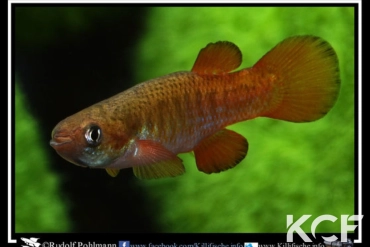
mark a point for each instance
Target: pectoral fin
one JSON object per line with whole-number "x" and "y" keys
{"x": 170, "y": 168}
{"x": 156, "y": 161}
{"x": 220, "y": 151}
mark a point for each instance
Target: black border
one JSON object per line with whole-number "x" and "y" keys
{"x": 67, "y": 239}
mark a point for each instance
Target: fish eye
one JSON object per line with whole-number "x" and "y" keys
{"x": 93, "y": 135}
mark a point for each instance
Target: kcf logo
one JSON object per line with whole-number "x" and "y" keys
{"x": 296, "y": 226}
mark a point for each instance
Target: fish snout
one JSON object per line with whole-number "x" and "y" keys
{"x": 59, "y": 138}
{"x": 66, "y": 146}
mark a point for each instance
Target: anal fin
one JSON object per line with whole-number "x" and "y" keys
{"x": 220, "y": 151}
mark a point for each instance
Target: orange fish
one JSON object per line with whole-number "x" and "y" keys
{"x": 146, "y": 126}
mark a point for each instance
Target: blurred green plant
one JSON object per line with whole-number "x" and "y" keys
{"x": 35, "y": 184}
{"x": 290, "y": 168}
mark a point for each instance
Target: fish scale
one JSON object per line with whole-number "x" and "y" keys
{"x": 193, "y": 109}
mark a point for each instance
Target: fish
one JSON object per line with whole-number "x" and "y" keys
{"x": 146, "y": 126}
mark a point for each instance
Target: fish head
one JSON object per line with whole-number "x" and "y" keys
{"x": 89, "y": 141}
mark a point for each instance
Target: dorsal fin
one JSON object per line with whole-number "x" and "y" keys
{"x": 217, "y": 58}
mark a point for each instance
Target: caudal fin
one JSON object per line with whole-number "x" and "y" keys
{"x": 307, "y": 78}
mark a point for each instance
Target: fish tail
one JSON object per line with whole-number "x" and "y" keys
{"x": 306, "y": 75}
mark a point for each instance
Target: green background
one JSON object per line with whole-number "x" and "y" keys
{"x": 67, "y": 58}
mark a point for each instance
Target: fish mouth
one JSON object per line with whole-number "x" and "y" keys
{"x": 60, "y": 140}
{"x": 63, "y": 145}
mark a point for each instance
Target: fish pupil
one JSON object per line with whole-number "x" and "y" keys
{"x": 93, "y": 135}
